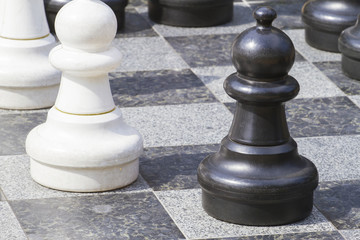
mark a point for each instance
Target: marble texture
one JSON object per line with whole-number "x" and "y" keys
{"x": 336, "y": 158}
{"x": 9, "y": 226}
{"x": 17, "y": 183}
{"x": 333, "y": 71}
{"x": 339, "y": 202}
{"x": 151, "y": 88}
{"x": 14, "y": 129}
{"x": 173, "y": 168}
{"x": 311, "y": 117}
{"x": 139, "y": 55}
{"x": 119, "y": 216}
{"x": 356, "y": 100}
{"x": 309, "y": 53}
{"x": 174, "y": 125}
{"x": 185, "y": 208}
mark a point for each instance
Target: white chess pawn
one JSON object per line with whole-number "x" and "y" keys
{"x": 27, "y": 80}
{"x": 84, "y": 145}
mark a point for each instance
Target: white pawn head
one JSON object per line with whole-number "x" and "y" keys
{"x": 88, "y": 25}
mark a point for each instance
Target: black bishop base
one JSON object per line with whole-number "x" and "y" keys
{"x": 257, "y": 177}
{"x": 191, "y": 13}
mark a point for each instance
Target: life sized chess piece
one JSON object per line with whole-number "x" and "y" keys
{"x": 52, "y": 7}
{"x": 326, "y": 19}
{"x": 84, "y": 145}
{"x": 257, "y": 177}
{"x": 191, "y": 13}
{"x": 27, "y": 80}
{"x": 349, "y": 46}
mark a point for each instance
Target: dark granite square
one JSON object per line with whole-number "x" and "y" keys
{"x": 158, "y": 88}
{"x": 135, "y": 26}
{"x": 310, "y": 117}
{"x": 339, "y": 202}
{"x": 172, "y": 168}
{"x": 293, "y": 236}
{"x": 288, "y": 12}
{"x": 333, "y": 71}
{"x": 15, "y": 127}
{"x": 207, "y": 50}
{"x": 119, "y": 216}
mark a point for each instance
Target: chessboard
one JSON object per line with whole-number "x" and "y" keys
{"x": 169, "y": 86}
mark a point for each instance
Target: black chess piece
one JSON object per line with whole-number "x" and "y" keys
{"x": 52, "y": 7}
{"x": 349, "y": 46}
{"x": 191, "y": 13}
{"x": 257, "y": 177}
{"x": 326, "y": 19}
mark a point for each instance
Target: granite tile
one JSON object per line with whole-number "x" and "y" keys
{"x": 17, "y": 183}
{"x": 313, "y": 83}
{"x": 139, "y": 55}
{"x": 158, "y": 88}
{"x": 311, "y": 117}
{"x": 136, "y": 3}
{"x": 184, "y": 206}
{"x": 242, "y": 19}
{"x": 309, "y": 53}
{"x": 2, "y": 196}
{"x": 9, "y": 226}
{"x": 333, "y": 71}
{"x": 119, "y": 216}
{"x": 14, "y": 129}
{"x": 135, "y": 26}
{"x": 288, "y": 12}
{"x": 355, "y": 99}
{"x": 203, "y": 51}
{"x": 351, "y": 234}
{"x": 171, "y": 168}
{"x": 336, "y": 158}
{"x": 174, "y": 125}
{"x": 293, "y": 236}
{"x": 339, "y": 202}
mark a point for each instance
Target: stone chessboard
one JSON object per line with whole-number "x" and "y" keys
{"x": 169, "y": 87}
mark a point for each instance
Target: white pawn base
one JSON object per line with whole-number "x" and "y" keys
{"x": 27, "y": 80}
{"x": 84, "y": 153}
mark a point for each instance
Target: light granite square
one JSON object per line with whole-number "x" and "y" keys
{"x": 355, "y": 99}
{"x": 138, "y": 54}
{"x": 313, "y": 83}
{"x": 310, "y": 53}
{"x": 175, "y": 125}
{"x": 351, "y": 234}
{"x": 336, "y": 158}
{"x": 185, "y": 208}
{"x": 9, "y": 226}
{"x": 242, "y": 19}
{"x": 17, "y": 184}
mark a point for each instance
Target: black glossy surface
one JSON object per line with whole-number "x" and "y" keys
{"x": 258, "y": 177}
{"x": 326, "y": 19}
{"x": 191, "y": 13}
{"x": 349, "y": 46}
{"x": 53, "y": 6}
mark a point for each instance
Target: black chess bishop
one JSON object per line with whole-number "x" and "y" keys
{"x": 257, "y": 177}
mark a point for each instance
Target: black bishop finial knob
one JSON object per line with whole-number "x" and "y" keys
{"x": 257, "y": 177}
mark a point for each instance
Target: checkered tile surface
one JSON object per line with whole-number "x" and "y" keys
{"x": 169, "y": 87}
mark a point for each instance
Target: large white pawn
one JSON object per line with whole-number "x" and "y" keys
{"x": 84, "y": 145}
{"x": 27, "y": 80}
